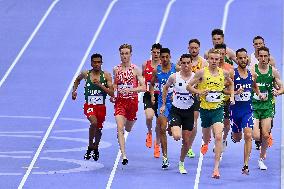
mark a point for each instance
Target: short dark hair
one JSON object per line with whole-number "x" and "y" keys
{"x": 194, "y": 41}
{"x": 258, "y": 37}
{"x": 97, "y": 55}
{"x": 186, "y": 56}
{"x": 217, "y": 32}
{"x": 241, "y": 50}
{"x": 156, "y": 46}
{"x": 263, "y": 49}
{"x": 127, "y": 46}
{"x": 220, "y": 46}
{"x": 165, "y": 50}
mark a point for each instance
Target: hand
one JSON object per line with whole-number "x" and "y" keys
{"x": 240, "y": 90}
{"x": 74, "y": 95}
{"x": 162, "y": 109}
{"x": 262, "y": 96}
{"x": 276, "y": 92}
{"x": 232, "y": 100}
{"x": 203, "y": 92}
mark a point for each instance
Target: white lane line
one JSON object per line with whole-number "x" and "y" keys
{"x": 200, "y": 160}
{"x": 28, "y": 42}
{"x": 66, "y": 95}
{"x": 111, "y": 177}
{"x": 161, "y": 30}
{"x": 225, "y": 15}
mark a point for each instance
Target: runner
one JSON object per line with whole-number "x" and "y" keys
{"x": 182, "y": 110}
{"x": 126, "y": 79}
{"x": 149, "y": 107}
{"x": 161, "y": 75}
{"x": 211, "y": 86}
{"x": 198, "y": 62}
{"x": 241, "y": 111}
{"x": 263, "y": 112}
{"x": 98, "y": 85}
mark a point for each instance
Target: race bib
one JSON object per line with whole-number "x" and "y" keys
{"x": 125, "y": 86}
{"x": 265, "y": 94}
{"x": 184, "y": 98}
{"x": 156, "y": 87}
{"x": 244, "y": 96}
{"x": 214, "y": 97}
{"x": 96, "y": 99}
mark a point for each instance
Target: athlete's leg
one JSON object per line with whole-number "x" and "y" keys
{"x": 248, "y": 144}
{"x": 265, "y": 129}
{"x": 92, "y": 130}
{"x": 218, "y": 131}
{"x": 163, "y": 135}
{"x": 120, "y": 121}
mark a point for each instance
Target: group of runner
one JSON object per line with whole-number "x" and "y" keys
{"x": 240, "y": 99}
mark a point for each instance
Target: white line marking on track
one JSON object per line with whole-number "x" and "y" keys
{"x": 225, "y": 15}
{"x": 161, "y": 30}
{"x": 25, "y": 177}
{"x": 200, "y": 160}
{"x": 28, "y": 42}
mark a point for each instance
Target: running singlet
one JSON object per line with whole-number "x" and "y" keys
{"x": 94, "y": 94}
{"x": 162, "y": 79}
{"x": 148, "y": 71}
{"x": 243, "y": 101}
{"x": 215, "y": 85}
{"x": 182, "y": 99}
{"x": 265, "y": 85}
{"x": 228, "y": 61}
{"x": 198, "y": 66}
{"x": 126, "y": 79}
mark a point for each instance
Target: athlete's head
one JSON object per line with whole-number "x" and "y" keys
{"x": 96, "y": 61}
{"x": 155, "y": 51}
{"x": 213, "y": 58}
{"x": 186, "y": 62}
{"x": 217, "y": 36}
{"x": 194, "y": 47}
{"x": 258, "y": 42}
{"x": 263, "y": 55}
{"x": 165, "y": 56}
{"x": 125, "y": 51}
{"x": 242, "y": 57}
{"x": 222, "y": 48}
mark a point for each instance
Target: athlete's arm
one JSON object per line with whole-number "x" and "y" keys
{"x": 229, "y": 90}
{"x": 196, "y": 80}
{"x": 109, "y": 89}
{"x": 204, "y": 63}
{"x": 272, "y": 61}
{"x": 206, "y": 55}
{"x": 143, "y": 68}
{"x": 278, "y": 82}
{"x": 82, "y": 75}
{"x": 166, "y": 87}
{"x": 141, "y": 87}
{"x": 232, "y": 55}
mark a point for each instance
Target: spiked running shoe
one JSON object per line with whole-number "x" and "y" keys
{"x": 181, "y": 168}
{"x": 165, "y": 164}
{"x": 245, "y": 170}
{"x": 96, "y": 154}
{"x": 204, "y": 149}
{"x": 88, "y": 154}
{"x": 124, "y": 161}
{"x": 216, "y": 174}
{"x": 156, "y": 150}
{"x": 149, "y": 140}
{"x": 190, "y": 153}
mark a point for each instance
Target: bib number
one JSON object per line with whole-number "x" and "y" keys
{"x": 95, "y": 99}
{"x": 245, "y": 96}
{"x": 214, "y": 97}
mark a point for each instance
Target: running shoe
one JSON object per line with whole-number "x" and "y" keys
{"x": 124, "y": 161}
{"x": 245, "y": 170}
{"x": 181, "y": 168}
{"x": 261, "y": 164}
{"x": 190, "y": 153}
{"x": 149, "y": 140}
{"x": 165, "y": 164}
{"x": 156, "y": 150}
{"x": 88, "y": 154}
{"x": 216, "y": 174}
{"x": 96, "y": 154}
{"x": 257, "y": 145}
{"x": 204, "y": 149}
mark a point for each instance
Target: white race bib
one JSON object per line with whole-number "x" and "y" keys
{"x": 156, "y": 87}
{"x": 96, "y": 99}
{"x": 265, "y": 93}
{"x": 124, "y": 86}
{"x": 244, "y": 96}
{"x": 185, "y": 98}
{"x": 214, "y": 97}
